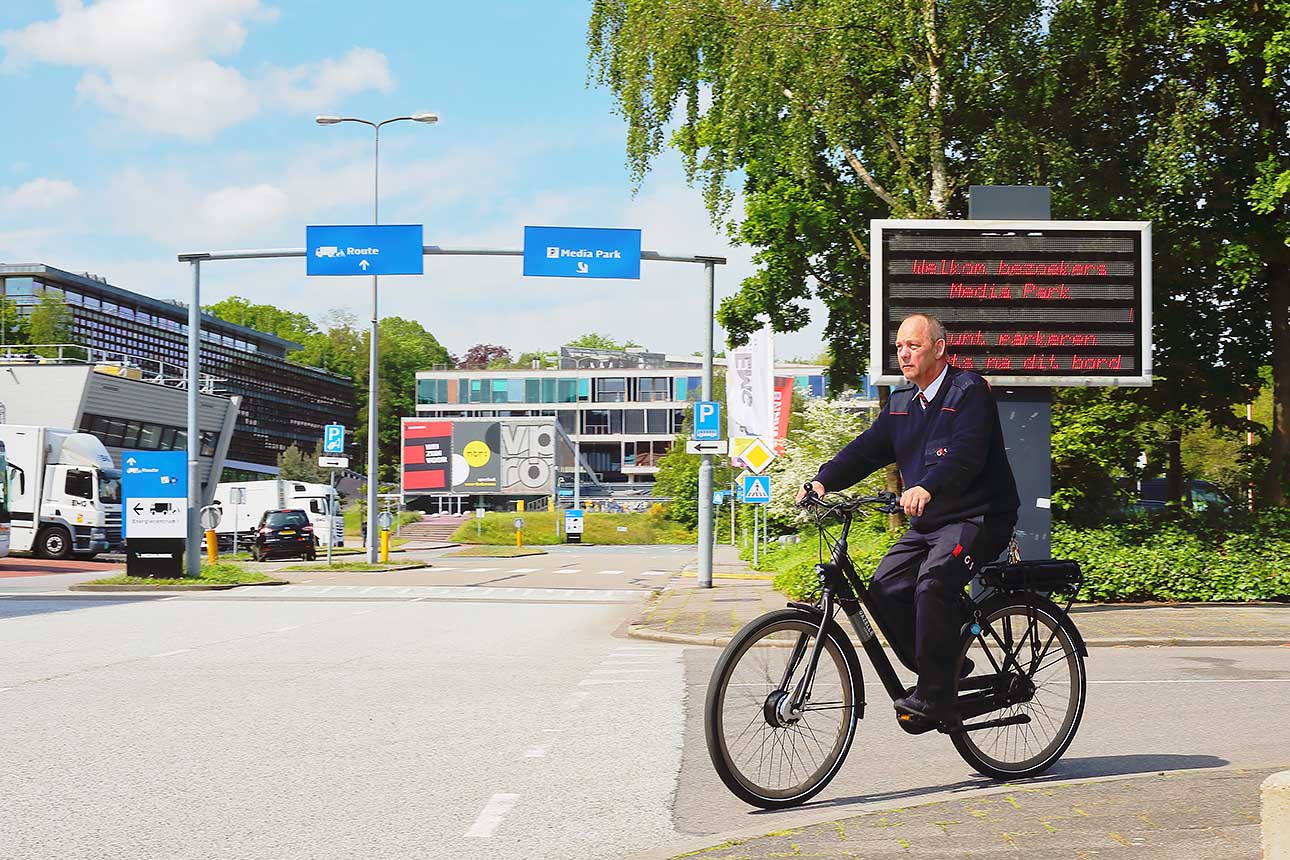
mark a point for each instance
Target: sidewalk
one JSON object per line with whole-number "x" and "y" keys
{"x": 686, "y": 614}
{"x": 1212, "y": 814}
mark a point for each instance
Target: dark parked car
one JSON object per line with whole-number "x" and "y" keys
{"x": 1153, "y": 497}
{"x": 284, "y": 533}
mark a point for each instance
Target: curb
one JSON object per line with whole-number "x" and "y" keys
{"x": 641, "y": 631}
{"x": 1275, "y": 794}
{"x": 217, "y": 586}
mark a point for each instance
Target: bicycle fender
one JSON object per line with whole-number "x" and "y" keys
{"x": 1048, "y": 606}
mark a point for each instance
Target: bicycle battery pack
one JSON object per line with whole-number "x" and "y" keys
{"x": 1052, "y": 575}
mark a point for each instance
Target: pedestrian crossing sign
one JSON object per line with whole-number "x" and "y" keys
{"x": 757, "y": 489}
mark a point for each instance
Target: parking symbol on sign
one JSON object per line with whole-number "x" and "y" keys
{"x": 552, "y": 253}
{"x": 334, "y": 439}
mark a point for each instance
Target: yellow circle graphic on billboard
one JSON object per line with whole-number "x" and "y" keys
{"x": 476, "y": 453}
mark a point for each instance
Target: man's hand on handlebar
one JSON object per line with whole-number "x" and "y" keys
{"x": 815, "y": 488}
{"x": 914, "y": 501}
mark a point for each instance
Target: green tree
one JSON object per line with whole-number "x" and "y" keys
{"x": 832, "y": 112}
{"x": 600, "y": 341}
{"x": 50, "y": 322}
{"x": 266, "y": 318}
{"x": 296, "y": 465}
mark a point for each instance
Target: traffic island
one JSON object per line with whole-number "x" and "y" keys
{"x": 494, "y": 552}
{"x": 214, "y": 577}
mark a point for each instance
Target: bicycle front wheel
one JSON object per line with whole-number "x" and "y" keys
{"x": 1039, "y": 680}
{"x": 767, "y": 752}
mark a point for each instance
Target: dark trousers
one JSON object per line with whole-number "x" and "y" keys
{"x": 918, "y": 592}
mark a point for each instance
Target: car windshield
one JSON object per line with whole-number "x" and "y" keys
{"x": 109, "y": 487}
{"x": 286, "y": 519}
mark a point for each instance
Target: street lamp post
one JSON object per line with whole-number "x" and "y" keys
{"x": 371, "y": 368}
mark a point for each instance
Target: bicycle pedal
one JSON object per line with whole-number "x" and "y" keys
{"x": 915, "y": 725}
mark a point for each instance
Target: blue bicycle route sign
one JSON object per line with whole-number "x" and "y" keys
{"x": 582, "y": 252}
{"x": 372, "y": 249}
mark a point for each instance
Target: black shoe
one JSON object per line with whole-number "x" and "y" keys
{"x": 967, "y": 667}
{"x": 913, "y": 706}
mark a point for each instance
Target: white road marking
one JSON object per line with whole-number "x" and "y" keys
{"x": 535, "y": 752}
{"x": 478, "y": 569}
{"x": 656, "y": 573}
{"x": 608, "y": 572}
{"x": 622, "y": 671}
{"x": 569, "y": 570}
{"x": 1200, "y": 681}
{"x": 491, "y": 815}
{"x": 593, "y": 682}
{"x": 525, "y": 570}
{"x": 173, "y": 653}
{"x": 553, "y": 731}
{"x": 285, "y": 629}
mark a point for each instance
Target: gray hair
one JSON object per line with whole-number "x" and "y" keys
{"x": 935, "y": 328}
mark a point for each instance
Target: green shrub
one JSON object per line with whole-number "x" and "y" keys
{"x": 794, "y": 564}
{"x": 1237, "y": 557}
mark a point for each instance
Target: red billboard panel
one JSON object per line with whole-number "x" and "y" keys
{"x": 427, "y": 455}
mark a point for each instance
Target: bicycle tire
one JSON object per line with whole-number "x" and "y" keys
{"x": 1054, "y": 667}
{"x": 749, "y": 751}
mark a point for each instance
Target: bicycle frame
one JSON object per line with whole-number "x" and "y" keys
{"x": 979, "y": 695}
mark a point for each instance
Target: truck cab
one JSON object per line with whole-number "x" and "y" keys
{"x": 64, "y": 492}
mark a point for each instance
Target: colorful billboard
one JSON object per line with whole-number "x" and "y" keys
{"x": 479, "y": 457}
{"x": 476, "y": 464}
{"x": 427, "y": 455}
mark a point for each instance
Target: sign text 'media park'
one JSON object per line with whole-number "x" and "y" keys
{"x": 1026, "y": 303}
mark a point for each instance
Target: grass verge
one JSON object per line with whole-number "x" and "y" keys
{"x": 221, "y": 573}
{"x": 344, "y": 566}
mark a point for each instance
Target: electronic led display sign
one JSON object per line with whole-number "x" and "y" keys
{"x": 1025, "y": 303}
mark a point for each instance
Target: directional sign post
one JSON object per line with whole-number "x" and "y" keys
{"x": 582, "y": 252}
{"x": 707, "y": 420}
{"x": 573, "y": 524}
{"x": 334, "y": 439}
{"x": 154, "y": 512}
{"x": 371, "y": 249}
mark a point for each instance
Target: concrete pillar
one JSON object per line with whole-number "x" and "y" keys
{"x": 1276, "y": 816}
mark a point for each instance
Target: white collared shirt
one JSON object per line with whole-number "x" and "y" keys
{"x": 931, "y": 391}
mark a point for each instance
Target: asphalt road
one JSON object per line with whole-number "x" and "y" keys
{"x": 194, "y": 727}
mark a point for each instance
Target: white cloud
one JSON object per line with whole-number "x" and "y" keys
{"x": 151, "y": 63}
{"x": 316, "y": 85}
{"x": 238, "y": 211}
{"x": 40, "y": 193}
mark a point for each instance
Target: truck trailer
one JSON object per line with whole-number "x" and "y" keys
{"x": 64, "y": 492}
{"x": 243, "y": 502}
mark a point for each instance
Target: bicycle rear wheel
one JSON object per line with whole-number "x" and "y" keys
{"x": 1038, "y": 669}
{"x": 767, "y": 754}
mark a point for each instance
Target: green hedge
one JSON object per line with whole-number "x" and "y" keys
{"x": 1238, "y": 558}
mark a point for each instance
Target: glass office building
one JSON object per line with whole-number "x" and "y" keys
{"x": 624, "y": 416}
{"x": 282, "y": 402}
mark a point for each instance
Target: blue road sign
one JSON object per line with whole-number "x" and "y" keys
{"x": 154, "y": 491}
{"x": 334, "y": 439}
{"x": 582, "y": 252}
{"x": 757, "y": 489}
{"x": 374, "y": 249}
{"x": 707, "y": 420}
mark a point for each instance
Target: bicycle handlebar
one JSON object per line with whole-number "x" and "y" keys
{"x": 884, "y": 502}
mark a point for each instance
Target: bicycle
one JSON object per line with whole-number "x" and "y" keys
{"x": 779, "y": 719}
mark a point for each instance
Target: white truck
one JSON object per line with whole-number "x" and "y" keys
{"x": 242, "y": 503}
{"x": 64, "y": 492}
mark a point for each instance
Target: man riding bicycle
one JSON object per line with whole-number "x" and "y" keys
{"x": 943, "y": 432}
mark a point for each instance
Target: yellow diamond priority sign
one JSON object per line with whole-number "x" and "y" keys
{"x": 757, "y": 456}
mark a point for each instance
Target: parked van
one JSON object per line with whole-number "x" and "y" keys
{"x": 243, "y": 503}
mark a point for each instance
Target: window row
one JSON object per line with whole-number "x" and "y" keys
{"x": 121, "y": 433}
{"x": 605, "y": 389}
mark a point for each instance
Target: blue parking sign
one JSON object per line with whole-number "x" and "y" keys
{"x": 707, "y": 420}
{"x": 334, "y": 439}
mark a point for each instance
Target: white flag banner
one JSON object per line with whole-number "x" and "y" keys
{"x": 750, "y": 390}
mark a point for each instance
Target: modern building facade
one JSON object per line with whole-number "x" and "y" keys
{"x": 281, "y": 402}
{"x": 624, "y": 408}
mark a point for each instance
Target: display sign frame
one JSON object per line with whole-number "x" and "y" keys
{"x": 990, "y": 289}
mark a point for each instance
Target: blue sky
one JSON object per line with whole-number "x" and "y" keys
{"x": 140, "y": 129}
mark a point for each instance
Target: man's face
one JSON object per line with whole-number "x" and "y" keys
{"x": 921, "y": 358}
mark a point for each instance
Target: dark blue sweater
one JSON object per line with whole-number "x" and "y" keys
{"x": 953, "y": 449}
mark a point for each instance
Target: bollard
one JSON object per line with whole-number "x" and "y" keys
{"x": 385, "y": 545}
{"x": 1276, "y": 816}
{"x": 212, "y": 546}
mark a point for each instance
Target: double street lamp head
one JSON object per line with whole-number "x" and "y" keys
{"x": 425, "y": 116}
